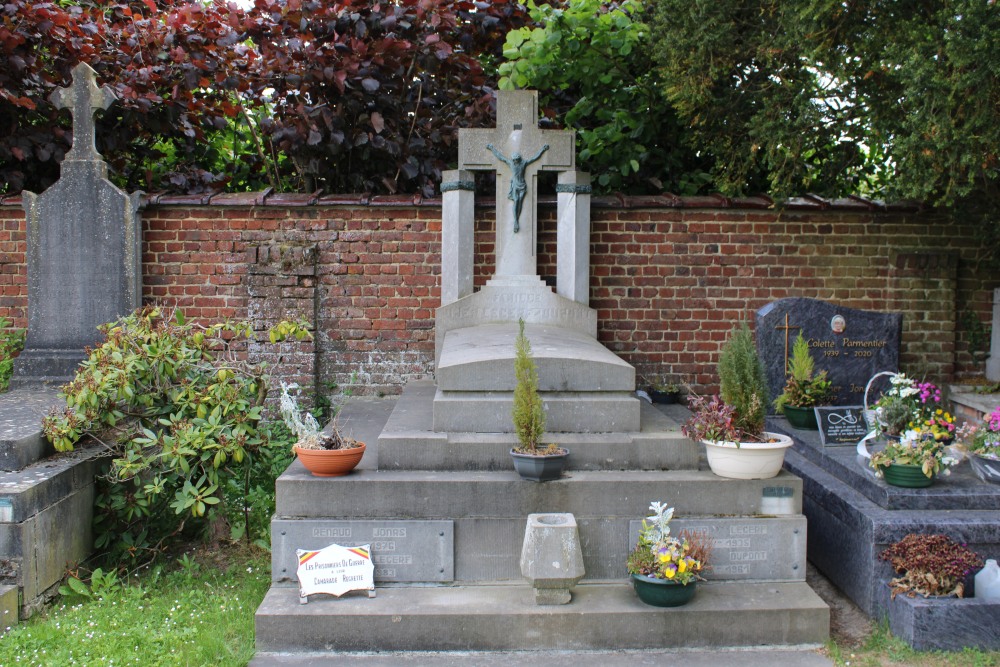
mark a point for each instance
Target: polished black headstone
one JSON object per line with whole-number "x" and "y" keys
{"x": 851, "y": 345}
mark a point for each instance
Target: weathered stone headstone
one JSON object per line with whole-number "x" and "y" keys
{"x": 83, "y": 247}
{"x": 851, "y": 345}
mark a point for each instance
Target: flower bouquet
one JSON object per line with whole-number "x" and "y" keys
{"x": 665, "y": 568}
{"x": 918, "y": 430}
{"x": 984, "y": 447}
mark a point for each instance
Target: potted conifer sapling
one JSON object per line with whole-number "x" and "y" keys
{"x": 732, "y": 426}
{"x": 804, "y": 389}
{"x": 532, "y": 461}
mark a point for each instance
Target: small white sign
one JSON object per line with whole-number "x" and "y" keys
{"x": 335, "y": 570}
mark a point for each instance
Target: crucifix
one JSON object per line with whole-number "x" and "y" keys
{"x": 517, "y": 150}
{"x": 83, "y": 97}
{"x": 788, "y": 327}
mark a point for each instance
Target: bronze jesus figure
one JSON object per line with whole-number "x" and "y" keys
{"x": 518, "y": 186}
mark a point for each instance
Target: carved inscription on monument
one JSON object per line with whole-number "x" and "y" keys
{"x": 401, "y": 550}
{"x": 746, "y": 548}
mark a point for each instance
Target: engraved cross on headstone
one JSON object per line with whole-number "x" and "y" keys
{"x": 83, "y": 97}
{"x": 788, "y": 327}
{"x": 516, "y": 134}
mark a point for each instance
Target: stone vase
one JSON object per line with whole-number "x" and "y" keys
{"x": 803, "y": 419}
{"x": 661, "y": 592}
{"x": 907, "y": 476}
{"x": 747, "y": 460}
{"x": 540, "y": 467}
{"x": 330, "y": 462}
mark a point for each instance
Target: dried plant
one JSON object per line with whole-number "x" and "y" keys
{"x": 930, "y": 565}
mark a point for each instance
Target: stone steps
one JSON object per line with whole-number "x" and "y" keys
{"x": 419, "y": 494}
{"x": 504, "y": 617}
{"x": 409, "y": 441}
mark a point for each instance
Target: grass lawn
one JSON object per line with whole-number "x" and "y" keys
{"x": 192, "y": 613}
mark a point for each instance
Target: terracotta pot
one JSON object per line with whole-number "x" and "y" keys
{"x": 662, "y": 593}
{"x": 330, "y": 462}
{"x": 540, "y": 468}
{"x": 749, "y": 460}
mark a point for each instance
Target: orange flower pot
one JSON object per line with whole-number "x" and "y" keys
{"x": 330, "y": 462}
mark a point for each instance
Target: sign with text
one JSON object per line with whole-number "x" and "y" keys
{"x": 403, "y": 550}
{"x": 850, "y": 345}
{"x": 841, "y": 425}
{"x": 335, "y": 570}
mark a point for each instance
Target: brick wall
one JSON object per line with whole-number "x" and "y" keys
{"x": 669, "y": 276}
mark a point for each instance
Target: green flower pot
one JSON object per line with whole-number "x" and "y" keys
{"x": 662, "y": 593}
{"x": 906, "y": 475}
{"x": 803, "y": 419}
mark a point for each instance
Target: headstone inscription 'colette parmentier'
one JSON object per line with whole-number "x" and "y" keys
{"x": 851, "y": 345}
{"x": 83, "y": 247}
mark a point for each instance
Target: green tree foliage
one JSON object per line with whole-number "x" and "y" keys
{"x": 528, "y": 413}
{"x": 344, "y": 96}
{"x": 885, "y": 98}
{"x": 589, "y": 59}
{"x": 180, "y": 416}
{"x": 742, "y": 382}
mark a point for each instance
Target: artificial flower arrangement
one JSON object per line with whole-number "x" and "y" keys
{"x": 920, "y": 429}
{"x": 984, "y": 439}
{"x": 659, "y": 555}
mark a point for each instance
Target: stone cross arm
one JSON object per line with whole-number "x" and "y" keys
{"x": 83, "y": 97}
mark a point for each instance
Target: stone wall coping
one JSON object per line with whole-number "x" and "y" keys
{"x": 269, "y": 198}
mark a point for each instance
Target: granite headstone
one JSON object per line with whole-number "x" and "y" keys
{"x": 84, "y": 249}
{"x": 851, "y": 345}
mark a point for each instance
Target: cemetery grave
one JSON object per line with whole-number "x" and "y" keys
{"x": 444, "y": 512}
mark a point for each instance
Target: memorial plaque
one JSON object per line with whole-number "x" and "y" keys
{"x": 851, "y": 345}
{"x": 410, "y": 550}
{"x": 843, "y": 425}
{"x": 747, "y": 548}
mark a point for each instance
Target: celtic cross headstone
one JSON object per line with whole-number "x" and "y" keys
{"x": 84, "y": 251}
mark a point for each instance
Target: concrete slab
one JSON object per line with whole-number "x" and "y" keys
{"x": 491, "y": 618}
{"x": 566, "y": 412}
{"x": 408, "y": 441}
{"x": 483, "y": 549}
{"x": 753, "y": 657}
{"x": 21, "y": 413}
{"x": 481, "y": 358}
{"x": 386, "y": 494}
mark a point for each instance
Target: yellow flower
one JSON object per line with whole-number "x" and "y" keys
{"x": 670, "y": 573}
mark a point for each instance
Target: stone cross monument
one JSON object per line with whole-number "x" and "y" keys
{"x": 84, "y": 252}
{"x": 586, "y": 388}
{"x": 517, "y": 150}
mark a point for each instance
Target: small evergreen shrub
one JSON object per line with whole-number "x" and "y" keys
{"x": 804, "y": 387}
{"x": 528, "y": 414}
{"x": 742, "y": 383}
{"x": 11, "y": 342}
